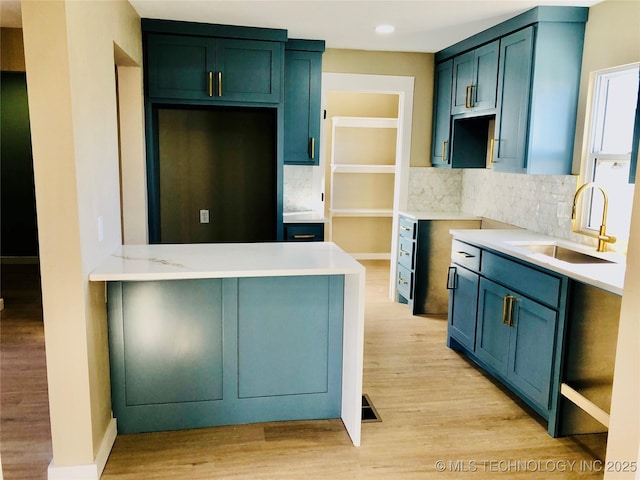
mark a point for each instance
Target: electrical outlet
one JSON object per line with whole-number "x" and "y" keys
{"x": 204, "y": 216}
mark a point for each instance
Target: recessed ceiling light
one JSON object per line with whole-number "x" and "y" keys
{"x": 385, "y": 28}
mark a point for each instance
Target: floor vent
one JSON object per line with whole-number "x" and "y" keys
{"x": 369, "y": 412}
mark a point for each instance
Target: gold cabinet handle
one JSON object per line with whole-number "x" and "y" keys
{"x": 468, "y": 100}
{"x": 508, "y": 303}
{"x": 313, "y": 148}
{"x": 404, "y": 252}
{"x": 211, "y": 84}
{"x": 305, "y": 236}
{"x": 505, "y": 309}
{"x": 219, "y": 84}
{"x": 406, "y": 229}
{"x": 471, "y": 102}
{"x": 465, "y": 254}
{"x": 444, "y": 151}
{"x": 402, "y": 281}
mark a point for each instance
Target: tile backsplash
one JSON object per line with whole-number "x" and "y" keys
{"x": 433, "y": 189}
{"x": 298, "y": 188}
{"x": 541, "y": 203}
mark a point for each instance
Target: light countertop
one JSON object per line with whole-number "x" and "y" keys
{"x": 303, "y": 217}
{"x": 607, "y": 276}
{"x": 429, "y": 215}
{"x": 225, "y": 260}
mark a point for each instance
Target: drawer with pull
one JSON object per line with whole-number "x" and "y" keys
{"x": 405, "y": 282}
{"x": 408, "y": 228}
{"x": 465, "y": 255}
{"x": 304, "y": 232}
{"x": 406, "y": 252}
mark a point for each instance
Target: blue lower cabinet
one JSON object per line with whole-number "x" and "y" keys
{"x": 516, "y": 337}
{"x": 304, "y": 232}
{"x": 509, "y": 317}
{"x": 206, "y": 352}
{"x": 463, "y": 306}
{"x": 532, "y": 343}
{"x": 492, "y": 336}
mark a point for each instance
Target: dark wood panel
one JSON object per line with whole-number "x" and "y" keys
{"x": 222, "y": 160}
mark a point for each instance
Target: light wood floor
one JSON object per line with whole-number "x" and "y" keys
{"x": 434, "y": 404}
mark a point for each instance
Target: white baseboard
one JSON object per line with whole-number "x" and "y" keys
{"x": 92, "y": 471}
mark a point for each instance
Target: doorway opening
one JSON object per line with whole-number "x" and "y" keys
{"x": 367, "y": 138}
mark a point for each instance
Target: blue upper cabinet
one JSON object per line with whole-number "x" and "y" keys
{"x": 213, "y": 69}
{"x": 303, "y": 73}
{"x": 513, "y": 101}
{"x": 213, "y": 63}
{"x": 475, "y": 76}
{"x": 178, "y": 67}
{"x": 248, "y": 70}
{"x": 524, "y": 74}
{"x": 440, "y": 144}
{"x": 538, "y": 86}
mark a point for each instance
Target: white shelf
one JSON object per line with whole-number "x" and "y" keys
{"x": 365, "y": 122}
{"x": 361, "y": 212}
{"x": 357, "y": 168}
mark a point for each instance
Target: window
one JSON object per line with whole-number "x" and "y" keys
{"x": 610, "y": 139}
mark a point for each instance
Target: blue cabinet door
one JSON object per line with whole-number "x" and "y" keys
{"x": 303, "y": 72}
{"x": 463, "y": 306}
{"x": 213, "y": 69}
{"x": 517, "y": 340}
{"x": 475, "y": 79}
{"x": 512, "y": 118}
{"x": 205, "y": 352}
{"x": 492, "y": 335}
{"x": 532, "y": 346}
{"x": 180, "y": 67}
{"x": 248, "y": 70}
{"x": 441, "y": 145}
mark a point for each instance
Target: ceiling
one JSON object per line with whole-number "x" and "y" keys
{"x": 421, "y": 25}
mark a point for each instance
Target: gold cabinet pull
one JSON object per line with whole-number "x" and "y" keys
{"x": 404, "y": 252}
{"x": 402, "y": 281}
{"x": 313, "y": 148}
{"x": 444, "y": 151}
{"x": 471, "y": 102}
{"x": 211, "y": 84}
{"x": 508, "y": 303}
{"x": 466, "y": 98}
{"x": 505, "y": 309}
{"x": 406, "y": 229}
{"x": 219, "y": 84}
{"x": 305, "y": 236}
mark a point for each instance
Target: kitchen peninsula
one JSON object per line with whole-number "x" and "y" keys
{"x": 219, "y": 334}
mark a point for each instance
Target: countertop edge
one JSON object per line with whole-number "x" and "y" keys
{"x": 596, "y": 275}
{"x": 199, "y": 261}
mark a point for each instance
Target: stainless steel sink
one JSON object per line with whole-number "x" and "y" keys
{"x": 563, "y": 254}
